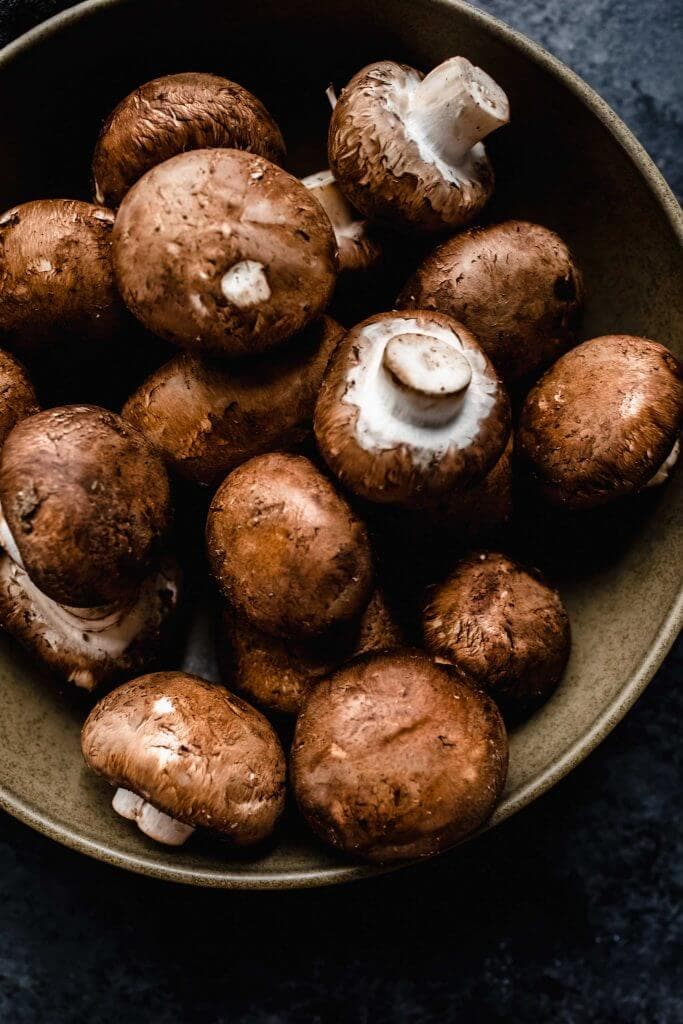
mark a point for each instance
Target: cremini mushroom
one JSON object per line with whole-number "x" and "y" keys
{"x": 171, "y": 115}
{"x": 502, "y": 625}
{"x": 286, "y": 549}
{"x": 359, "y": 247}
{"x": 17, "y": 397}
{"x": 395, "y": 756}
{"x": 411, "y": 409}
{"x": 185, "y": 754}
{"x": 515, "y": 285}
{"x": 603, "y": 422}
{"x": 407, "y": 150}
{"x": 206, "y": 418}
{"x": 219, "y": 250}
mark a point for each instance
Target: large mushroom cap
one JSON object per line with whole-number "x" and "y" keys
{"x": 17, "y": 397}
{"x": 206, "y": 418}
{"x": 410, "y": 408}
{"x": 503, "y": 626}
{"x": 56, "y": 276}
{"x": 85, "y": 501}
{"x": 220, "y": 250}
{"x": 406, "y": 150}
{"x": 286, "y": 549}
{"x": 172, "y": 115}
{"x": 515, "y": 285}
{"x": 193, "y": 751}
{"x": 602, "y": 421}
{"x": 395, "y": 757}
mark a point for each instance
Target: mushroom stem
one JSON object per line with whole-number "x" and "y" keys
{"x": 346, "y": 221}
{"x": 246, "y": 284}
{"x": 154, "y": 823}
{"x": 425, "y": 378}
{"x": 455, "y": 107}
{"x": 7, "y": 541}
{"x": 664, "y": 471}
{"x": 331, "y": 94}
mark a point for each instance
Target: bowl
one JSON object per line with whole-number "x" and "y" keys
{"x": 565, "y": 161}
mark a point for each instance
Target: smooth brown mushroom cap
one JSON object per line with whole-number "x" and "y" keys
{"x": 515, "y": 285}
{"x": 396, "y": 757}
{"x": 287, "y": 550}
{"x": 172, "y": 115}
{"x": 206, "y": 418}
{"x": 194, "y": 222}
{"x": 503, "y": 626}
{"x": 601, "y": 421}
{"x": 192, "y": 750}
{"x": 86, "y": 500}
{"x": 17, "y": 397}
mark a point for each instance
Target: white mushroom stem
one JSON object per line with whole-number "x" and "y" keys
{"x": 331, "y": 94}
{"x": 347, "y": 222}
{"x": 246, "y": 284}
{"x": 455, "y": 107}
{"x": 7, "y": 541}
{"x": 154, "y": 823}
{"x": 664, "y": 471}
{"x": 425, "y": 378}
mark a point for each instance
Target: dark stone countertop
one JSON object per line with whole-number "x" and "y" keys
{"x": 566, "y": 914}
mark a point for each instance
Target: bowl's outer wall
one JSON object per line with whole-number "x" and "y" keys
{"x": 557, "y": 163}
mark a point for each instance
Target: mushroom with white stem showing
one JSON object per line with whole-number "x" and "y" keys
{"x": 359, "y": 247}
{"x": 408, "y": 150}
{"x": 411, "y": 409}
{"x": 185, "y": 754}
{"x": 218, "y": 250}
{"x": 172, "y": 115}
{"x": 603, "y": 422}
{"x": 17, "y": 397}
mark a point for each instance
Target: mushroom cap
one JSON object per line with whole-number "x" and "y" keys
{"x": 382, "y": 458}
{"x": 279, "y": 674}
{"x": 383, "y": 170}
{"x": 206, "y": 418}
{"x": 56, "y": 276}
{"x": 601, "y": 421}
{"x": 172, "y": 115}
{"x": 358, "y": 245}
{"x": 515, "y": 285}
{"x": 395, "y": 757}
{"x": 503, "y": 626}
{"x": 192, "y": 750}
{"x": 86, "y": 501}
{"x": 17, "y": 397}
{"x": 96, "y": 649}
{"x": 286, "y": 549}
{"x": 219, "y": 250}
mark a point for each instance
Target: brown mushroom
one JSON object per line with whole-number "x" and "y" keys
{"x": 206, "y": 418}
{"x": 17, "y": 397}
{"x": 503, "y": 626}
{"x": 407, "y": 150}
{"x": 515, "y": 285}
{"x": 410, "y": 409}
{"x": 187, "y": 754}
{"x": 171, "y": 115}
{"x": 218, "y": 250}
{"x": 92, "y": 647}
{"x": 286, "y": 550}
{"x": 85, "y": 503}
{"x": 603, "y": 422}
{"x": 358, "y": 245}
{"x": 395, "y": 756}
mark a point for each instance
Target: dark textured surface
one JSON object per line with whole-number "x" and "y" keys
{"x": 566, "y": 914}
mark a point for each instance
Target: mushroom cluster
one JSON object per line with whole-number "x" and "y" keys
{"x": 352, "y": 478}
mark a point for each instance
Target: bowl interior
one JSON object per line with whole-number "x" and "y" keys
{"x": 558, "y": 163}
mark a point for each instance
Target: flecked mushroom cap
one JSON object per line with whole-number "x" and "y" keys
{"x": 396, "y": 757}
{"x": 17, "y": 397}
{"x": 365, "y": 426}
{"x": 193, "y": 750}
{"x": 602, "y": 420}
{"x": 218, "y": 250}
{"x": 172, "y": 115}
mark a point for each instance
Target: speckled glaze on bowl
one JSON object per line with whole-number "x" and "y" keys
{"x": 566, "y": 161}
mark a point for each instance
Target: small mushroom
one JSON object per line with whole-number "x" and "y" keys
{"x": 410, "y": 409}
{"x": 395, "y": 756}
{"x": 206, "y": 418}
{"x": 218, "y": 250}
{"x": 171, "y": 115}
{"x": 407, "y": 150}
{"x": 91, "y": 647}
{"x": 603, "y": 422}
{"x": 17, "y": 397}
{"x": 186, "y": 754}
{"x": 279, "y": 674}
{"x": 286, "y": 550}
{"x": 503, "y": 626}
{"x": 359, "y": 247}
{"x": 84, "y": 503}
{"x": 515, "y": 285}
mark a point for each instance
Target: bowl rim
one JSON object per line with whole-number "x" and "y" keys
{"x": 584, "y": 744}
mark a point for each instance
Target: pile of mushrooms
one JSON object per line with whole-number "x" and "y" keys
{"x": 359, "y": 476}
